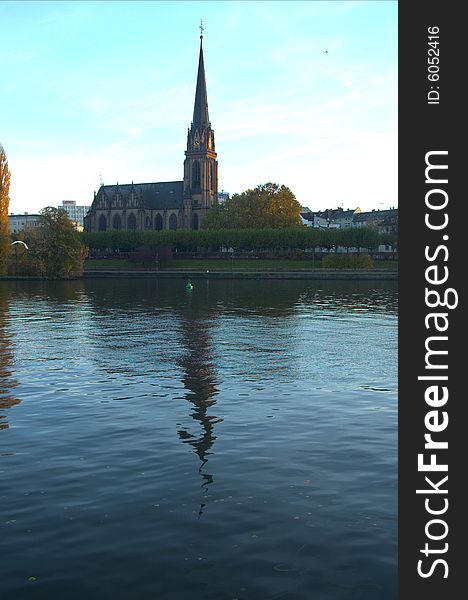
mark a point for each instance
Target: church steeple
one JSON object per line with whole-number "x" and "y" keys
{"x": 200, "y": 165}
{"x": 200, "y": 110}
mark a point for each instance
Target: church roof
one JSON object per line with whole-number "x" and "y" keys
{"x": 200, "y": 110}
{"x": 158, "y": 195}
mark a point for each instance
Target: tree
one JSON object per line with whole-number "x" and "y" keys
{"x": 367, "y": 237}
{"x": 4, "y": 205}
{"x": 268, "y": 206}
{"x": 388, "y": 239}
{"x": 55, "y": 246}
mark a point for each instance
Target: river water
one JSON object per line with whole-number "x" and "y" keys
{"x": 234, "y": 442}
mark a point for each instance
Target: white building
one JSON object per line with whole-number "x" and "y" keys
{"x": 311, "y": 219}
{"x": 344, "y": 218}
{"x": 222, "y": 197}
{"x": 23, "y": 222}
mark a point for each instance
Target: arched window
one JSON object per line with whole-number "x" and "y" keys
{"x": 196, "y": 174}
{"x": 173, "y": 222}
{"x": 117, "y": 222}
{"x": 148, "y": 222}
{"x": 210, "y": 185}
{"x": 195, "y": 221}
{"x": 158, "y": 222}
{"x": 131, "y": 221}
{"x": 102, "y": 223}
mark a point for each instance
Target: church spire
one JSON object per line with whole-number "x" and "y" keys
{"x": 200, "y": 165}
{"x": 200, "y": 111}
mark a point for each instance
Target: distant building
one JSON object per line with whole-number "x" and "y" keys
{"x": 222, "y": 197}
{"x": 75, "y": 213}
{"x": 23, "y": 222}
{"x": 311, "y": 219}
{"x": 339, "y": 218}
{"x": 345, "y": 218}
{"x": 307, "y": 216}
{"x": 385, "y": 221}
{"x": 336, "y": 218}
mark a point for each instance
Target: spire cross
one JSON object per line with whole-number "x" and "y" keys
{"x": 202, "y": 29}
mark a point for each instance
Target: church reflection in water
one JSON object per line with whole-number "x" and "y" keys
{"x": 199, "y": 378}
{"x": 7, "y": 383}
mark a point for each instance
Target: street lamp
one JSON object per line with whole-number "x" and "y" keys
{"x": 15, "y": 244}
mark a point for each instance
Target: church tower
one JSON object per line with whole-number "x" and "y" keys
{"x": 200, "y": 165}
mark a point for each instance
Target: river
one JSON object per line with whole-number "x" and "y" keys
{"x": 238, "y": 441}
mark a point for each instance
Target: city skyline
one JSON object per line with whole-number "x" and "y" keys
{"x": 303, "y": 94}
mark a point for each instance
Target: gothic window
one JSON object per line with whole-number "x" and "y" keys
{"x": 131, "y": 221}
{"x": 117, "y": 222}
{"x": 210, "y": 184}
{"x": 102, "y": 223}
{"x": 158, "y": 222}
{"x": 195, "y": 221}
{"x": 148, "y": 222}
{"x": 173, "y": 222}
{"x": 196, "y": 174}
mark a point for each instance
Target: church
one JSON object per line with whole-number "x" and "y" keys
{"x": 166, "y": 204}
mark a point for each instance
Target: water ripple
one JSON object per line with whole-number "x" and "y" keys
{"x": 238, "y": 442}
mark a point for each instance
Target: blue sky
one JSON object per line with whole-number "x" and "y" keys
{"x": 299, "y": 93}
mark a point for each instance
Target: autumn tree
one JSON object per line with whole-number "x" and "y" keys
{"x": 55, "y": 247}
{"x": 4, "y": 204}
{"x": 268, "y": 206}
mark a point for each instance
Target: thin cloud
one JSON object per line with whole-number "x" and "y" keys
{"x": 296, "y": 94}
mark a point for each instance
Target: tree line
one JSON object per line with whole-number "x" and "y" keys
{"x": 292, "y": 238}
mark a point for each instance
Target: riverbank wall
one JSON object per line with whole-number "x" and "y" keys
{"x": 313, "y": 274}
{"x": 329, "y": 274}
